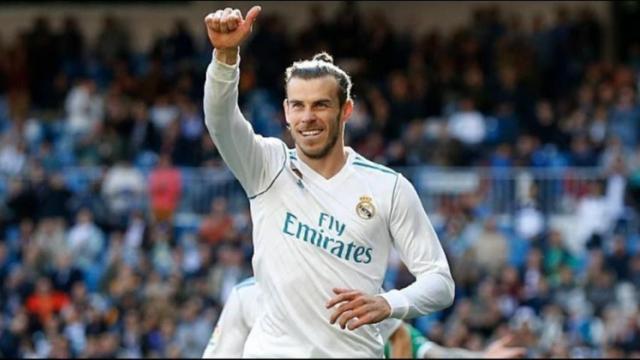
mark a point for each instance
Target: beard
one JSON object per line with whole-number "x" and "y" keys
{"x": 332, "y": 139}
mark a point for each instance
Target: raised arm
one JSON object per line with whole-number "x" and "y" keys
{"x": 254, "y": 160}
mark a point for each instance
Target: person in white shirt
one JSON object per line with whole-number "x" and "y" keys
{"x": 244, "y": 304}
{"x": 238, "y": 316}
{"x": 325, "y": 218}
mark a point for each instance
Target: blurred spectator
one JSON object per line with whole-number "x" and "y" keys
{"x": 54, "y": 198}
{"x": 49, "y": 241}
{"x": 48, "y": 158}
{"x": 625, "y": 117}
{"x": 600, "y": 292}
{"x": 467, "y": 124}
{"x": 619, "y": 259}
{"x": 45, "y": 301}
{"x": 634, "y": 270}
{"x": 180, "y": 44}
{"x": 74, "y": 330}
{"x": 113, "y": 41}
{"x": 316, "y": 35}
{"x": 131, "y": 335}
{"x": 123, "y": 187}
{"x": 13, "y": 157}
{"x": 65, "y": 273}
{"x": 162, "y": 251}
{"x": 556, "y": 257}
{"x": 582, "y": 153}
{"x": 41, "y": 44}
{"x": 71, "y": 45}
{"x": 545, "y": 126}
{"x": 193, "y": 330}
{"x": 270, "y": 41}
{"x": 13, "y": 335}
{"x": 186, "y": 151}
{"x": 153, "y": 82}
{"x": 136, "y": 237}
{"x": 217, "y": 225}
{"x": 85, "y": 241}
{"x": 18, "y": 78}
{"x": 592, "y": 219}
{"x": 84, "y": 108}
{"x": 20, "y": 201}
{"x": 144, "y": 135}
{"x": 528, "y": 220}
{"x": 403, "y": 107}
{"x": 165, "y": 185}
{"x": 228, "y": 271}
{"x": 615, "y": 191}
{"x": 490, "y": 248}
{"x": 163, "y": 112}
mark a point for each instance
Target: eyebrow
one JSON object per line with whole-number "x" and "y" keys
{"x": 317, "y": 102}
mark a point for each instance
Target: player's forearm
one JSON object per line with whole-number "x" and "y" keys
{"x": 230, "y": 131}
{"x": 227, "y": 56}
{"x": 435, "y": 351}
{"x": 221, "y": 95}
{"x": 431, "y": 292}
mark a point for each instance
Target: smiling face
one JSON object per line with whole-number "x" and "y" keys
{"x": 313, "y": 112}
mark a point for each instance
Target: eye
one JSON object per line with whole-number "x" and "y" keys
{"x": 296, "y": 105}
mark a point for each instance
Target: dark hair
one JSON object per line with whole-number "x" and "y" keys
{"x": 321, "y": 65}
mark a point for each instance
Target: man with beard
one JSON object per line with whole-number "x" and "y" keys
{"x": 325, "y": 218}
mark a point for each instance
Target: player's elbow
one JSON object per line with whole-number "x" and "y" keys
{"x": 214, "y": 120}
{"x": 450, "y": 291}
{"x": 447, "y": 291}
{"x": 217, "y": 110}
{"x": 437, "y": 293}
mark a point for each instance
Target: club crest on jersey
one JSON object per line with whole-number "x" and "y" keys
{"x": 365, "y": 208}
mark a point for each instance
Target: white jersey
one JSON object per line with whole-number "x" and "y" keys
{"x": 239, "y": 314}
{"x": 312, "y": 234}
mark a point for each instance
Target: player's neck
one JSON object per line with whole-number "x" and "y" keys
{"x": 329, "y": 165}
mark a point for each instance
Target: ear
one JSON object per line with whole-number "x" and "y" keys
{"x": 347, "y": 110}
{"x": 285, "y": 106}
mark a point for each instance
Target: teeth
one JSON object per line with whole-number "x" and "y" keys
{"x": 311, "y": 132}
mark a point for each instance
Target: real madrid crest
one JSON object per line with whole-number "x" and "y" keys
{"x": 365, "y": 208}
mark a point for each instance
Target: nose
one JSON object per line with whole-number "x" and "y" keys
{"x": 308, "y": 116}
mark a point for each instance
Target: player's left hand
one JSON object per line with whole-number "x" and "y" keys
{"x": 500, "y": 349}
{"x": 362, "y": 308}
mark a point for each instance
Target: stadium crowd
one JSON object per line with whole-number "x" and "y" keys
{"x": 100, "y": 268}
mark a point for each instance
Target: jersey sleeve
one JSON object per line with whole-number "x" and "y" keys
{"x": 253, "y": 159}
{"x": 231, "y": 331}
{"x": 419, "y": 248}
{"x": 431, "y": 350}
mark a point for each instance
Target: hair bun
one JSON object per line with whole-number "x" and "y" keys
{"x": 323, "y": 56}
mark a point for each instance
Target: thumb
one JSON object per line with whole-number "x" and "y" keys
{"x": 252, "y": 15}
{"x": 505, "y": 340}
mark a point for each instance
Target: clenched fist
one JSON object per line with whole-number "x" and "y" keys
{"x": 227, "y": 29}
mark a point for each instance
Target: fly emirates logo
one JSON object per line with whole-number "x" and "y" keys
{"x": 319, "y": 237}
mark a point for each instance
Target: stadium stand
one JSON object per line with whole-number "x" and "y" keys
{"x": 122, "y": 232}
